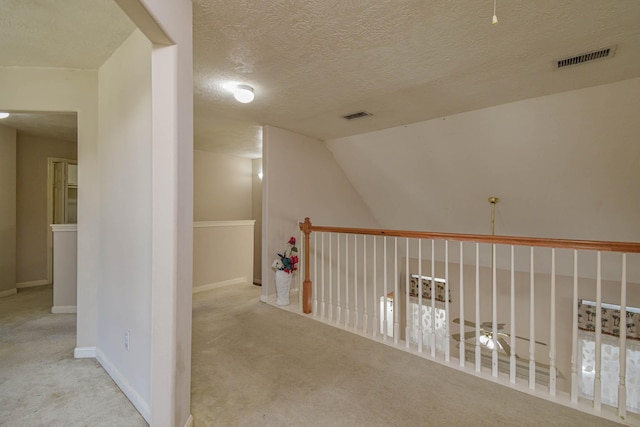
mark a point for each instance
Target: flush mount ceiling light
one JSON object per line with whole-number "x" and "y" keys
{"x": 3, "y": 115}
{"x": 243, "y": 93}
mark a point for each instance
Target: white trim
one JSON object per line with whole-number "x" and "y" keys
{"x": 208, "y": 287}
{"x": 242, "y": 223}
{"x": 8, "y": 292}
{"x": 84, "y": 352}
{"x": 64, "y": 309}
{"x": 189, "y": 422}
{"x": 141, "y": 405}
{"x": 32, "y": 283}
{"x": 64, "y": 227}
{"x": 264, "y": 298}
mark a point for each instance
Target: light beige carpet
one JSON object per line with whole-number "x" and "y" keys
{"x": 257, "y": 365}
{"x": 41, "y": 384}
{"x": 253, "y": 365}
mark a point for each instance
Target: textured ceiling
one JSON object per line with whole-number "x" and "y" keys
{"x": 62, "y": 126}
{"x": 61, "y": 34}
{"x": 404, "y": 61}
{"x": 313, "y": 61}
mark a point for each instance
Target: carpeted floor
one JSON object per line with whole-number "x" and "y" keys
{"x": 257, "y": 365}
{"x": 253, "y": 365}
{"x": 41, "y": 384}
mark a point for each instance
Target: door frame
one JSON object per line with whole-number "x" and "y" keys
{"x": 50, "y": 207}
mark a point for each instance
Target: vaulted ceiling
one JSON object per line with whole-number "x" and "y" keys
{"x": 311, "y": 62}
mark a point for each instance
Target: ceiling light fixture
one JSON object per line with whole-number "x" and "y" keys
{"x": 243, "y": 93}
{"x": 494, "y": 21}
{"x": 4, "y": 115}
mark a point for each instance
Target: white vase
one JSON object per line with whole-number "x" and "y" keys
{"x": 283, "y": 284}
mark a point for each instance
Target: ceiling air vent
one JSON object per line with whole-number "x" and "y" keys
{"x": 594, "y": 55}
{"x": 356, "y": 115}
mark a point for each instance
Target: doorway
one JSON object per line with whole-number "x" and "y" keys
{"x": 62, "y": 200}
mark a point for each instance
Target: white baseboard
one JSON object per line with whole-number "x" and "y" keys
{"x": 8, "y": 292}
{"x": 32, "y": 283}
{"x": 64, "y": 309}
{"x": 140, "y": 404}
{"x": 236, "y": 281}
{"x": 84, "y": 353}
{"x": 264, "y": 298}
{"x": 189, "y": 422}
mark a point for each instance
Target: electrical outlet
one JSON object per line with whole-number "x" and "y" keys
{"x": 127, "y": 337}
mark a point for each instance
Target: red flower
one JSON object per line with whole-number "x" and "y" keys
{"x": 286, "y": 270}
{"x": 292, "y": 241}
{"x": 294, "y": 260}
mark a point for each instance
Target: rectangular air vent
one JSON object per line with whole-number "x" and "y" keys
{"x": 356, "y": 115}
{"x": 594, "y": 55}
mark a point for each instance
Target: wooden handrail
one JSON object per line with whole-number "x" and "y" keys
{"x": 628, "y": 247}
{"x": 307, "y": 228}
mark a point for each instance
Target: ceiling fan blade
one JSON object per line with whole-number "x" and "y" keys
{"x": 505, "y": 346}
{"x": 466, "y": 322}
{"x": 527, "y": 339}
{"x": 467, "y": 335}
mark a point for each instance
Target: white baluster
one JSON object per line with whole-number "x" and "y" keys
{"x": 396, "y": 308}
{"x": 512, "y": 356}
{"x": 597, "y": 383}
{"x": 552, "y": 332}
{"x": 532, "y": 327}
{"x": 447, "y": 334}
{"x": 365, "y": 316}
{"x": 330, "y": 279}
{"x": 420, "y": 315}
{"x": 376, "y": 303}
{"x": 339, "y": 290}
{"x": 478, "y": 349}
{"x": 355, "y": 281}
{"x": 622, "y": 389}
{"x": 315, "y": 274}
{"x": 494, "y": 313}
{"x": 574, "y": 332}
{"x": 324, "y": 312}
{"x": 406, "y": 295}
{"x": 347, "y": 316}
{"x": 384, "y": 288}
{"x": 433, "y": 298}
{"x": 462, "y": 357}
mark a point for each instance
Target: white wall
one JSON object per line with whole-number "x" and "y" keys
{"x": 302, "y": 179}
{"x": 564, "y": 165}
{"x": 45, "y": 89}
{"x": 222, "y": 253}
{"x": 48, "y": 89}
{"x": 33, "y": 227}
{"x": 7, "y": 210}
{"x": 168, "y": 24}
{"x": 124, "y": 93}
{"x": 221, "y": 187}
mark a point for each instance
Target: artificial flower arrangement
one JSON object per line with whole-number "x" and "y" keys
{"x": 288, "y": 260}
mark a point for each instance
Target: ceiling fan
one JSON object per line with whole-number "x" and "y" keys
{"x": 486, "y": 336}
